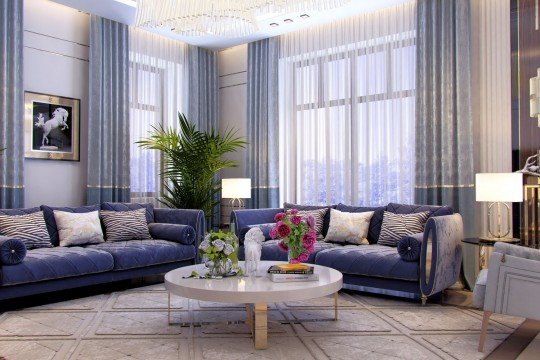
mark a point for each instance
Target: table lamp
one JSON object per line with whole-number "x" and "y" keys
{"x": 236, "y": 189}
{"x": 497, "y": 189}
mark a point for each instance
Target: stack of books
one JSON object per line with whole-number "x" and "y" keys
{"x": 292, "y": 272}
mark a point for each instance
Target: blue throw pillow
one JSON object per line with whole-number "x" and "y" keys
{"x": 183, "y": 234}
{"x": 12, "y": 251}
{"x": 409, "y": 247}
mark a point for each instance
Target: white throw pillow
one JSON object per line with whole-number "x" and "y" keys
{"x": 349, "y": 228}
{"x": 78, "y": 228}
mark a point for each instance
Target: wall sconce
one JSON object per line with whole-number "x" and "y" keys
{"x": 534, "y": 86}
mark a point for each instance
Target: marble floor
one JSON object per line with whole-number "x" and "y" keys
{"x": 132, "y": 324}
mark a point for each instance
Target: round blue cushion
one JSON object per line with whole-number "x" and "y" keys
{"x": 12, "y": 251}
{"x": 409, "y": 248}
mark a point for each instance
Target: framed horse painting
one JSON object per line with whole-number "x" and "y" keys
{"x": 51, "y": 127}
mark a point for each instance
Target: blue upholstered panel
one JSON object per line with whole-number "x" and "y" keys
{"x": 369, "y": 260}
{"x": 130, "y": 206}
{"x": 48, "y": 214}
{"x": 270, "y": 251}
{"x": 12, "y": 212}
{"x": 138, "y": 253}
{"x": 58, "y": 262}
{"x": 374, "y": 224}
{"x": 12, "y": 251}
{"x": 183, "y": 234}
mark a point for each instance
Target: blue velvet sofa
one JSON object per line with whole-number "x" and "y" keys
{"x": 377, "y": 268}
{"x": 175, "y": 238}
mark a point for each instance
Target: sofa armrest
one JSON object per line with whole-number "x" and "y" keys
{"x": 193, "y": 218}
{"x": 441, "y": 255}
{"x": 512, "y": 281}
{"x": 12, "y": 251}
{"x": 246, "y": 217}
{"x": 182, "y": 234}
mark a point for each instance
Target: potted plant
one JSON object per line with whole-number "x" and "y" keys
{"x": 191, "y": 161}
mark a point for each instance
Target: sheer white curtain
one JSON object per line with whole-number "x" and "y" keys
{"x": 157, "y": 71}
{"x": 347, "y": 110}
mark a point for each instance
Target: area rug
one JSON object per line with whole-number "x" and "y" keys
{"x": 132, "y": 324}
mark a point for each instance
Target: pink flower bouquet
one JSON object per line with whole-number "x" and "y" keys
{"x": 297, "y": 235}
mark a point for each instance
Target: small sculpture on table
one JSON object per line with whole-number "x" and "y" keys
{"x": 252, "y": 248}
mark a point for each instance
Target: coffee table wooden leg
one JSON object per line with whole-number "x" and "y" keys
{"x": 335, "y": 306}
{"x": 260, "y": 328}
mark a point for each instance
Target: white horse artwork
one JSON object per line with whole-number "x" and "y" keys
{"x": 252, "y": 248}
{"x": 59, "y": 119}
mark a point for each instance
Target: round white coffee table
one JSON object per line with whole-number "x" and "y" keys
{"x": 255, "y": 292}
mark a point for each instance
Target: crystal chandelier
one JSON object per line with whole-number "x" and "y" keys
{"x": 227, "y": 18}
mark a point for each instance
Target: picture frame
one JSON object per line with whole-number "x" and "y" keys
{"x": 51, "y": 127}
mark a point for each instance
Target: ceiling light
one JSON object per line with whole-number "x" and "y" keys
{"x": 288, "y": 21}
{"x": 304, "y": 16}
{"x": 220, "y": 17}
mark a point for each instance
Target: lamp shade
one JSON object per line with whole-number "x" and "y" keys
{"x": 499, "y": 187}
{"x": 236, "y": 188}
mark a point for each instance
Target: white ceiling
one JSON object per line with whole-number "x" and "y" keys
{"x": 125, "y": 11}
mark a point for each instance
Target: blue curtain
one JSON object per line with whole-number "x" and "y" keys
{"x": 11, "y": 104}
{"x": 444, "y": 147}
{"x": 108, "y": 128}
{"x": 203, "y": 103}
{"x": 262, "y": 123}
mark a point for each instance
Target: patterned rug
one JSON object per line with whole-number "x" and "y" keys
{"x": 132, "y": 324}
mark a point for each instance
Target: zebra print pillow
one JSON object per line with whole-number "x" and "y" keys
{"x": 396, "y": 226}
{"x": 125, "y": 225}
{"x": 29, "y": 228}
{"x": 318, "y": 215}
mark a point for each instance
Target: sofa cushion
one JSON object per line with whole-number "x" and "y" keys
{"x": 369, "y": 260}
{"x": 183, "y": 234}
{"x": 271, "y": 251}
{"x": 376, "y": 219}
{"x": 396, "y": 226}
{"x": 409, "y": 247}
{"x": 110, "y": 206}
{"x": 349, "y": 227}
{"x": 139, "y": 253}
{"x": 433, "y": 210}
{"x": 12, "y": 251}
{"x": 78, "y": 229}
{"x": 11, "y": 212}
{"x": 54, "y": 263}
{"x": 326, "y": 220}
{"x": 125, "y": 225}
{"x": 29, "y": 228}
{"x": 48, "y": 214}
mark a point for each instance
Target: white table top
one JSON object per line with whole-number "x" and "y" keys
{"x": 251, "y": 290}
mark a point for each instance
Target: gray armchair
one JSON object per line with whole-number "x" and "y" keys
{"x": 510, "y": 285}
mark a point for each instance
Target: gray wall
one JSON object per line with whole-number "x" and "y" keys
{"x": 56, "y": 62}
{"x": 232, "y": 67}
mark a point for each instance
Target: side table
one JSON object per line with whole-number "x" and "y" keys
{"x": 485, "y": 247}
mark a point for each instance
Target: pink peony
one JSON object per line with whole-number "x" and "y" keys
{"x": 283, "y": 230}
{"x": 308, "y": 240}
{"x": 282, "y": 246}
{"x": 310, "y": 221}
{"x": 279, "y": 217}
{"x": 296, "y": 220}
{"x": 293, "y": 211}
{"x": 273, "y": 232}
{"x": 303, "y": 257}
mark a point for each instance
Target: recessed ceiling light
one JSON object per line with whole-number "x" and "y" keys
{"x": 304, "y": 16}
{"x": 288, "y": 20}
{"x": 274, "y": 24}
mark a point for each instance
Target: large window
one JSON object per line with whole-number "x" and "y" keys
{"x": 347, "y": 106}
{"x": 157, "y": 80}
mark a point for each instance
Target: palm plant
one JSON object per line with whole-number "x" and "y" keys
{"x": 191, "y": 161}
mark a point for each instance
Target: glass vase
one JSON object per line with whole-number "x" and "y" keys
{"x": 219, "y": 267}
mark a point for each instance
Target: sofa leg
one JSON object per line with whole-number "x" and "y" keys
{"x": 424, "y": 299}
{"x": 483, "y": 333}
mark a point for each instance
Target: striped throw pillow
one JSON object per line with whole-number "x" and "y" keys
{"x": 29, "y": 228}
{"x": 318, "y": 215}
{"x": 125, "y": 225}
{"x": 396, "y": 226}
